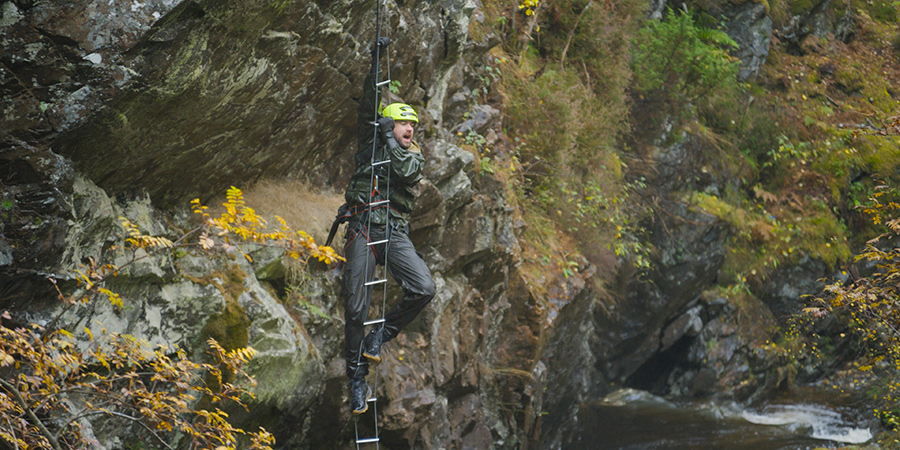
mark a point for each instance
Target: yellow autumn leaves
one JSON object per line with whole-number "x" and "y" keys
{"x": 238, "y": 224}
{"x": 122, "y": 378}
{"x": 241, "y": 221}
{"x": 118, "y": 376}
{"x": 528, "y": 6}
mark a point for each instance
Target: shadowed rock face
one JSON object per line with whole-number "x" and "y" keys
{"x": 691, "y": 249}
{"x": 148, "y": 96}
{"x": 181, "y": 99}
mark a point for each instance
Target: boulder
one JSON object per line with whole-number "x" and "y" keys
{"x": 784, "y": 291}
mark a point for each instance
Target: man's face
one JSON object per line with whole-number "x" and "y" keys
{"x": 403, "y": 132}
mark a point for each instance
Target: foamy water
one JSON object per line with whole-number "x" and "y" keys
{"x": 631, "y": 419}
{"x": 826, "y": 424}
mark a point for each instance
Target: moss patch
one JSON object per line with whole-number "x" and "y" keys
{"x": 229, "y": 327}
{"x": 776, "y": 231}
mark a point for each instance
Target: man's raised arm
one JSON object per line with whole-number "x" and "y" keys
{"x": 371, "y": 99}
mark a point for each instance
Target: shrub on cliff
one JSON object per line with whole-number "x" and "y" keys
{"x": 51, "y": 386}
{"x": 563, "y": 77}
{"x": 677, "y": 63}
{"x": 864, "y": 312}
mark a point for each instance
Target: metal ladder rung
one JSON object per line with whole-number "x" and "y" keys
{"x": 377, "y": 282}
{"x": 379, "y": 203}
{"x": 372, "y": 400}
{"x": 383, "y": 241}
{"x": 366, "y": 440}
{"x": 373, "y": 322}
{"x": 381, "y": 163}
{"x": 385, "y": 82}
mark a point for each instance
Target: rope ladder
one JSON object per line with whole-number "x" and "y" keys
{"x": 378, "y": 159}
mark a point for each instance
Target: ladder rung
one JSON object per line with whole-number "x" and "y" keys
{"x": 381, "y": 163}
{"x": 383, "y": 241}
{"x": 380, "y": 202}
{"x": 373, "y": 322}
{"x": 383, "y": 83}
{"x": 372, "y": 400}
{"x": 377, "y": 282}
{"x": 366, "y": 440}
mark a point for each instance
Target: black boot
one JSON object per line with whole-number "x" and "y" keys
{"x": 360, "y": 393}
{"x": 372, "y": 345}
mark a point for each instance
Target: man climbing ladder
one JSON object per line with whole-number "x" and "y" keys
{"x": 379, "y": 199}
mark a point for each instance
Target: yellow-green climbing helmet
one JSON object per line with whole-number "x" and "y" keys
{"x": 400, "y": 111}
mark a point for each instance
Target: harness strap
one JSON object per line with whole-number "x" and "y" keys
{"x": 342, "y": 216}
{"x": 346, "y": 212}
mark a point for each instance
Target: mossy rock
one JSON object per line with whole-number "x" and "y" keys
{"x": 880, "y": 10}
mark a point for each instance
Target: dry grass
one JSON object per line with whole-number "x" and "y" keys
{"x": 299, "y": 204}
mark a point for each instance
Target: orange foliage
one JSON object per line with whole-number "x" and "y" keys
{"x": 50, "y": 386}
{"x": 869, "y": 308}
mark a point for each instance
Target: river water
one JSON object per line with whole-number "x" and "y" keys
{"x": 636, "y": 420}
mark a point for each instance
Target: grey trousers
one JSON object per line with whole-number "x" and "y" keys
{"x": 407, "y": 268}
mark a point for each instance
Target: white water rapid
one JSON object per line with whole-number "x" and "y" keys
{"x": 823, "y": 423}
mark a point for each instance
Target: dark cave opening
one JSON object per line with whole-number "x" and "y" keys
{"x": 653, "y": 376}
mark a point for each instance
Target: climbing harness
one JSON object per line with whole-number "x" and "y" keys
{"x": 374, "y": 185}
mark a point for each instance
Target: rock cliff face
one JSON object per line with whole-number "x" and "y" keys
{"x": 130, "y": 109}
{"x": 223, "y": 92}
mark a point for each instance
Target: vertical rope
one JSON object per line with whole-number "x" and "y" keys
{"x": 387, "y": 229}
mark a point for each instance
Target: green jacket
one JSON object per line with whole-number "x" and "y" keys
{"x": 405, "y": 167}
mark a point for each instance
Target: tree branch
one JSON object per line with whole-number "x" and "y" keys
{"x": 102, "y": 279}
{"x": 78, "y": 417}
{"x": 526, "y": 36}
{"x": 31, "y": 415}
{"x": 12, "y": 432}
{"x": 142, "y": 424}
{"x": 562, "y": 60}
